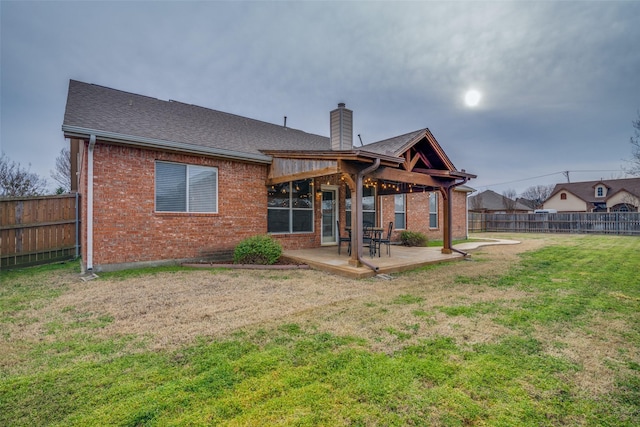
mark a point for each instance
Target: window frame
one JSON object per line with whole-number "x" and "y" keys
{"x": 433, "y": 213}
{"x": 372, "y": 214}
{"x": 291, "y": 209}
{"x": 188, "y": 168}
{"x": 403, "y": 212}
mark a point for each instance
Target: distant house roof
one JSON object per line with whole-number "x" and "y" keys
{"x": 489, "y": 201}
{"x": 586, "y": 190}
{"x": 129, "y": 118}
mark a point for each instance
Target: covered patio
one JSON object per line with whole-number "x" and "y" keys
{"x": 408, "y": 164}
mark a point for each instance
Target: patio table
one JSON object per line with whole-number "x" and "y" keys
{"x": 376, "y": 236}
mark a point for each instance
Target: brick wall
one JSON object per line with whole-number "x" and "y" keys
{"x": 417, "y": 214}
{"x": 128, "y": 230}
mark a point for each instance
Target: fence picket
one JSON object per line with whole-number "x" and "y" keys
{"x": 627, "y": 223}
{"x": 36, "y": 230}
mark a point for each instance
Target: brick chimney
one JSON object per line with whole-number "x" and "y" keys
{"x": 341, "y": 128}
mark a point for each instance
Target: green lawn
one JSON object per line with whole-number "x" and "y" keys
{"x": 582, "y": 307}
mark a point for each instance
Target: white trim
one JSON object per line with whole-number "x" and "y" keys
{"x": 80, "y": 132}
{"x": 92, "y": 144}
{"x": 336, "y": 197}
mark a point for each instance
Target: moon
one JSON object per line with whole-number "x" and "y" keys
{"x": 472, "y": 98}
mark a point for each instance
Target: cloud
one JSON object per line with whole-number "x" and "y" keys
{"x": 560, "y": 80}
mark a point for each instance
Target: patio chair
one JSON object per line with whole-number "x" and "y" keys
{"x": 368, "y": 238}
{"x": 386, "y": 240}
{"x": 342, "y": 239}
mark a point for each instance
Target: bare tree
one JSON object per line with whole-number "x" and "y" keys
{"x": 476, "y": 203}
{"x": 631, "y": 202}
{"x": 62, "y": 173}
{"x": 634, "y": 168}
{"x": 538, "y": 194}
{"x": 509, "y": 200}
{"x": 16, "y": 181}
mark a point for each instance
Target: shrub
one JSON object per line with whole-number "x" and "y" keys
{"x": 257, "y": 250}
{"x": 413, "y": 238}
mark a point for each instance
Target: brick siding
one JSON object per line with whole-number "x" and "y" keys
{"x": 127, "y": 230}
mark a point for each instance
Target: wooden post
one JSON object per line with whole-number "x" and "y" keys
{"x": 447, "y": 219}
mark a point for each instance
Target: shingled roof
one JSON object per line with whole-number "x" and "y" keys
{"x": 396, "y": 146}
{"x": 129, "y": 118}
{"x": 586, "y": 190}
{"x": 492, "y": 201}
{"x": 106, "y": 111}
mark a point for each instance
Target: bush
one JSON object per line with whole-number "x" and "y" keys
{"x": 257, "y": 250}
{"x": 413, "y": 238}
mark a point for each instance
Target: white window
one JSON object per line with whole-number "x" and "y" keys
{"x": 433, "y": 210}
{"x": 368, "y": 206}
{"x": 600, "y": 191}
{"x": 186, "y": 188}
{"x": 290, "y": 207}
{"x": 400, "y": 212}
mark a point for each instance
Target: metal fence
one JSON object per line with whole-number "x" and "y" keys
{"x": 627, "y": 223}
{"x": 36, "y": 230}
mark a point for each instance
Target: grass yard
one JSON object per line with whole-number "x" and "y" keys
{"x": 544, "y": 333}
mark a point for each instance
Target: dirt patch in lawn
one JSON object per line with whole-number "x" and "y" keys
{"x": 173, "y": 308}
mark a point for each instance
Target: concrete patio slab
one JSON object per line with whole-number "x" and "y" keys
{"x": 402, "y": 258}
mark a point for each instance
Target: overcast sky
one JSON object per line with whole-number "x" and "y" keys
{"x": 560, "y": 81}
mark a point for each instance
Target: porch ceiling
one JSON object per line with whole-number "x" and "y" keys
{"x": 296, "y": 165}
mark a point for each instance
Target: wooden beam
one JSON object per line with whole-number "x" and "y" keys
{"x": 399, "y": 175}
{"x": 301, "y": 175}
{"x": 410, "y": 162}
{"x": 425, "y": 160}
{"x": 283, "y": 170}
{"x": 348, "y": 178}
{"x": 348, "y": 167}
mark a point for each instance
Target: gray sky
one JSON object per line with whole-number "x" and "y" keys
{"x": 560, "y": 81}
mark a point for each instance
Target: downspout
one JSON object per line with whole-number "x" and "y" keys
{"x": 359, "y": 176}
{"x": 92, "y": 143}
{"x": 77, "y": 224}
{"x": 449, "y": 242}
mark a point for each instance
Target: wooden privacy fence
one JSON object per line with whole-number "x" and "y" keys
{"x": 627, "y": 223}
{"x": 35, "y": 230}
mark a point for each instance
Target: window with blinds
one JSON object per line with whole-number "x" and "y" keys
{"x": 400, "y": 213}
{"x": 186, "y": 188}
{"x": 433, "y": 210}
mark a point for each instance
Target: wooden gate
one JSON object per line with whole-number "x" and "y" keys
{"x": 37, "y": 230}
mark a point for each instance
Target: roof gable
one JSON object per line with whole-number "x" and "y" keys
{"x": 420, "y": 149}
{"x": 586, "y": 190}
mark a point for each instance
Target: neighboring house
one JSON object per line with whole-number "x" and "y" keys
{"x": 611, "y": 195}
{"x": 491, "y": 202}
{"x": 166, "y": 181}
{"x": 531, "y": 204}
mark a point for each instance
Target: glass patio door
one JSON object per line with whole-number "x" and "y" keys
{"x": 329, "y": 215}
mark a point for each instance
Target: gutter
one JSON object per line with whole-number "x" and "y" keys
{"x": 80, "y": 132}
{"x": 450, "y": 188}
{"x": 359, "y": 176}
{"x": 92, "y": 144}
